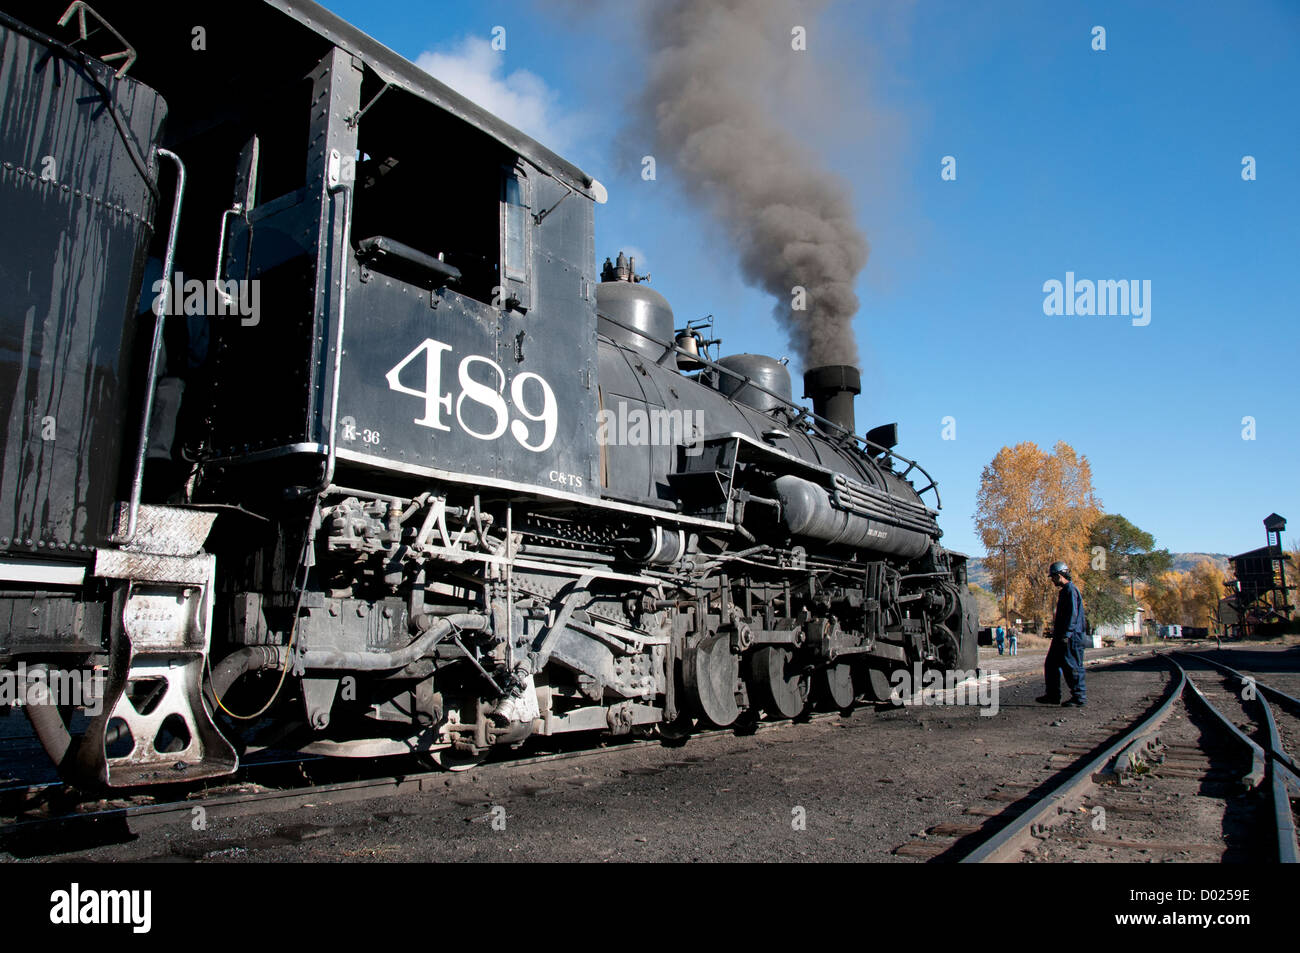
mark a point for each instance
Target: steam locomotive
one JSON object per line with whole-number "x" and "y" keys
{"x": 324, "y": 433}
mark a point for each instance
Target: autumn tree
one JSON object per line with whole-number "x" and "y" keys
{"x": 1163, "y": 598}
{"x": 1032, "y": 509}
{"x": 1121, "y": 556}
{"x": 1205, "y": 589}
{"x": 1186, "y": 598}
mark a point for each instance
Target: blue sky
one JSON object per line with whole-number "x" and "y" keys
{"x": 1122, "y": 164}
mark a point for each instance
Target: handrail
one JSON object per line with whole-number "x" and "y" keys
{"x": 340, "y": 188}
{"x": 160, "y": 313}
{"x": 798, "y": 412}
{"x": 378, "y": 247}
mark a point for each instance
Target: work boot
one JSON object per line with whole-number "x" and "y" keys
{"x": 1045, "y": 700}
{"x": 1074, "y": 703}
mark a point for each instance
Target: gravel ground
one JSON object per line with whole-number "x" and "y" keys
{"x": 862, "y": 785}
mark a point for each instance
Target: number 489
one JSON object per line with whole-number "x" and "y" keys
{"x": 440, "y": 408}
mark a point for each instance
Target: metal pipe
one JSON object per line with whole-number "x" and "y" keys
{"x": 169, "y": 260}
{"x": 435, "y": 629}
{"x": 570, "y": 602}
{"x": 50, "y": 731}
{"x": 333, "y": 490}
{"x": 444, "y": 608}
{"x": 536, "y": 549}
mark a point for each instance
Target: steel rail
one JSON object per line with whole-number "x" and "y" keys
{"x": 1120, "y": 658}
{"x": 998, "y": 847}
{"x": 1259, "y": 758}
{"x": 1279, "y": 752}
{"x": 1282, "y": 769}
{"x": 1288, "y": 848}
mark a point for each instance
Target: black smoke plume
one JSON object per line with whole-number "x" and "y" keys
{"x": 790, "y": 220}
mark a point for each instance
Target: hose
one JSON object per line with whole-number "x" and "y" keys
{"x": 50, "y": 730}
{"x": 240, "y": 662}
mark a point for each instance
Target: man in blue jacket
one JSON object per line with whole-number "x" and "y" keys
{"x": 1065, "y": 656}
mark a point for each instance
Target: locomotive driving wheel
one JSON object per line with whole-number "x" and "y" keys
{"x": 835, "y": 686}
{"x": 947, "y": 647}
{"x": 710, "y": 670}
{"x": 874, "y": 683}
{"x": 779, "y": 687}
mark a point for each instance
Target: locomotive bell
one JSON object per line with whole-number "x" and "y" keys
{"x": 832, "y": 388}
{"x": 689, "y": 342}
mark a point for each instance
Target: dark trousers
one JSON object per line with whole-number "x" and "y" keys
{"x": 1065, "y": 657}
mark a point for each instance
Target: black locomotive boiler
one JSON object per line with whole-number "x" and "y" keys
{"x": 324, "y": 432}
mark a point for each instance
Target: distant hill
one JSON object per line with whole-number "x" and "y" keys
{"x": 1185, "y": 561}
{"x": 976, "y": 573}
{"x": 979, "y": 574}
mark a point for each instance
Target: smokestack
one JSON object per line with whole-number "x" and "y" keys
{"x": 832, "y": 388}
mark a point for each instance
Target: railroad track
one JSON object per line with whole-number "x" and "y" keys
{"x": 1203, "y": 777}
{"x": 29, "y": 814}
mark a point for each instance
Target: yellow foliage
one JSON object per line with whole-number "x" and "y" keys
{"x": 1034, "y": 508}
{"x": 1185, "y": 598}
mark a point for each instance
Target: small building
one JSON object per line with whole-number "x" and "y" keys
{"x": 1258, "y": 598}
{"x": 1130, "y": 628}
